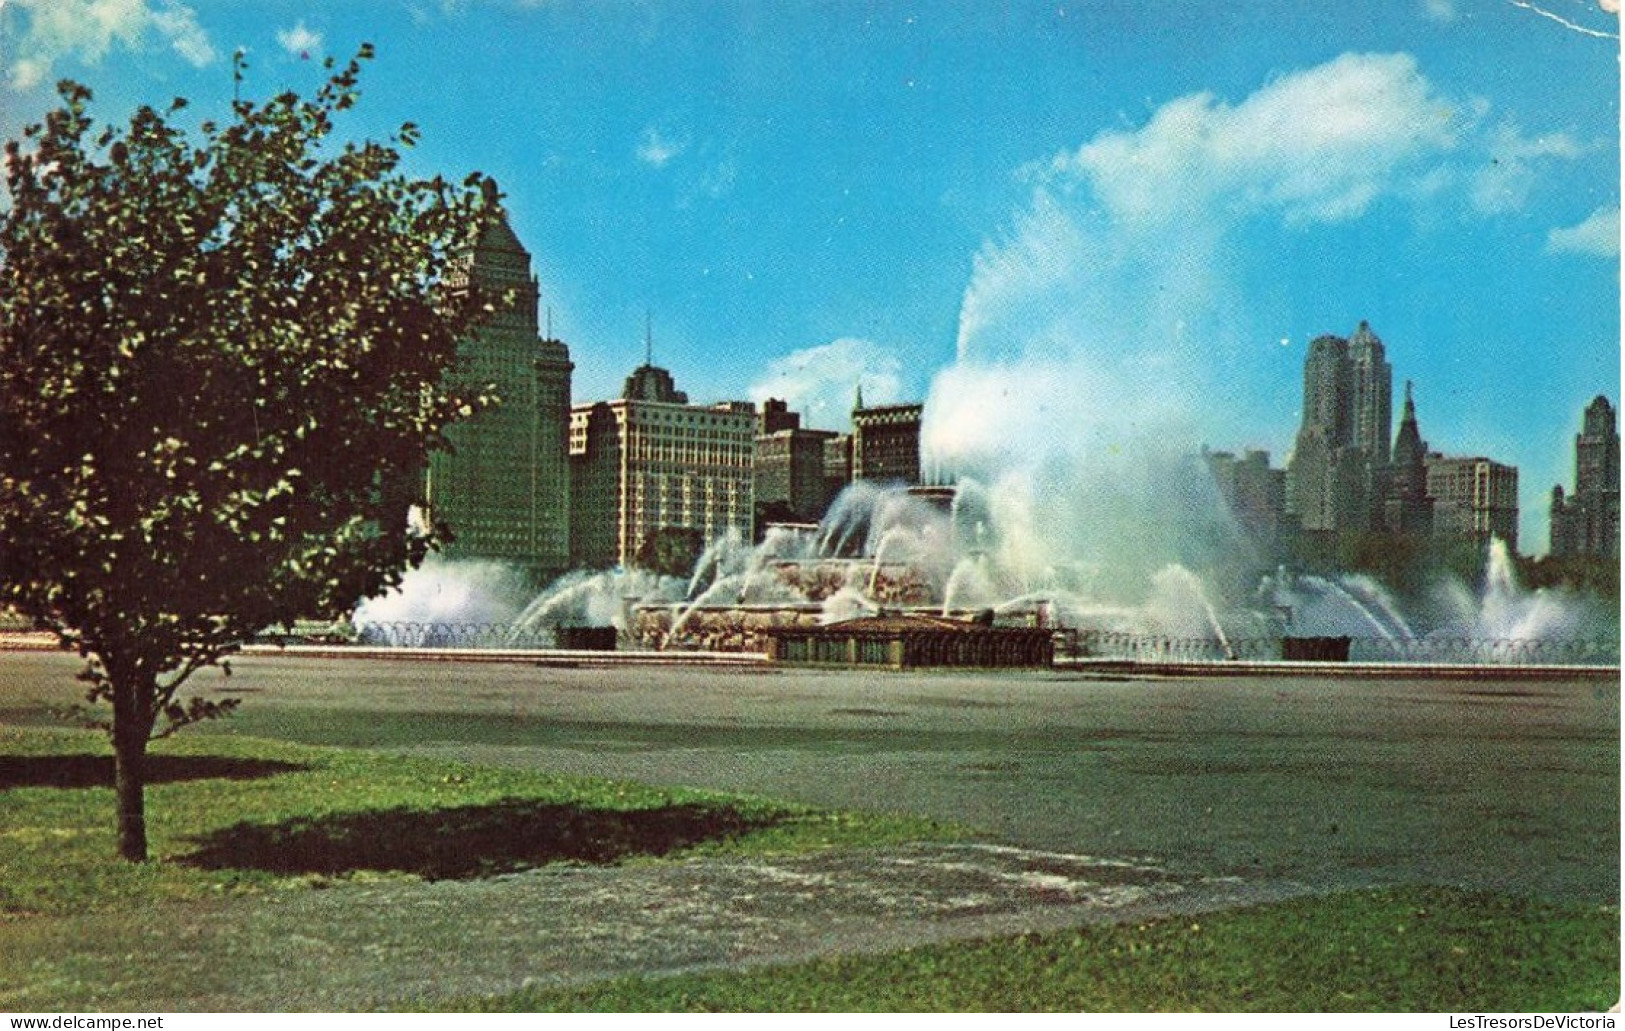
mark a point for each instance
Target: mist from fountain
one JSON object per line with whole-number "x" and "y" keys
{"x": 591, "y": 599}
{"x": 847, "y": 603}
{"x": 969, "y": 586}
{"x": 728, "y": 589}
{"x": 909, "y": 544}
{"x": 1504, "y": 611}
{"x": 1371, "y": 595}
{"x": 1355, "y": 606}
{"x": 1179, "y": 606}
{"x": 447, "y": 591}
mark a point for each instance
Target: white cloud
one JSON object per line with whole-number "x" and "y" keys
{"x": 1598, "y": 235}
{"x": 655, "y": 149}
{"x": 179, "y": 25}
{"x": 1502, "y": 184}
{"x": 425, "y": 13}
{"x": 822, "y": 382}
{"x": 1096, "y": 333}
{"x": 87, "y": 29}
{"x": 28, "y": 73}
{"x": 1439, "y": 10}
{"x": 1123, "y": 236}
{"x": 1317, "y": 145}
{"x": 299, "y": 41}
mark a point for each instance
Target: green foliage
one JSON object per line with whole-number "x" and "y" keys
{"x": 217, "y": 360}
{"x": 1410, "y": 950}
{"x": 768, "y": 512}
{"x": 1401, "y": 561}
{"x": 242, "y": 816}
{"x": 1408, "y": 564}
{"x": 670, "y": 551}
{"x": 1583, "y": 574}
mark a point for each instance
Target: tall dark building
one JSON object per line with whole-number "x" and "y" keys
{"x": 504, "y": 488}
{"x": 1587, "y": 522}
{"x": 837, "y": 464}
{"x": 1407, "y": 508}
{"x": 1336, "y": 479}
{"x": 886, "y": 443}
{"x": 789, "y": 463}
{"x": 1371, "y": 381}
{"x": 775, "y": 416}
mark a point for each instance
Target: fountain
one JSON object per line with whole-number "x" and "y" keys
{"x": 941, "y": 552}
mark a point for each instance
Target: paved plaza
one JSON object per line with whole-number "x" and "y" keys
{"x": 1101, "y": 798}
{"x": 1506, "y": 784}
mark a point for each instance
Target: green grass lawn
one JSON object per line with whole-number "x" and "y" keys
{"x": 228, "y": 814}
{"x": 240, "y": 815}
{"x": 1410, "y": 950}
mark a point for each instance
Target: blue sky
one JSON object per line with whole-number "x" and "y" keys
{"x": 1085, "y": 233}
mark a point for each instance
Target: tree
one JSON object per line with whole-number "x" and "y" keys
{"x": 775, "y": 511}
{"x": 1594, "y": 575}
{"x": 670, "y": 551}
{"x": 218, "y": 362}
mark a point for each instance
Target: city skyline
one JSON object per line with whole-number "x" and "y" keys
{"x": 1098, "y": 207}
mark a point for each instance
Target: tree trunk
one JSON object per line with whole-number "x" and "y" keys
{"x": 131, "y": 729}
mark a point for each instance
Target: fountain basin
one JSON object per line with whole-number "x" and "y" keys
{"x": 912, "y": 641}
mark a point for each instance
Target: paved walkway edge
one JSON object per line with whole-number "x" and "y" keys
{"x": 756, "y": 660}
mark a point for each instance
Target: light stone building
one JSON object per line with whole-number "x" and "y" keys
{"x": 504, "y": 488}
{"x": 1474, "y": 498}
{"x": 649, "y": 461}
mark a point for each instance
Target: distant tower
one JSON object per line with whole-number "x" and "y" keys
{"x": 1596, "y": 451}
{"x": 652, "y": 383}
{"x": 886, "y": 443}
{"x": 1317, "y": 474}
{"x": 1371, "y": 380}
{"x": 1336, "y": 479}
{"x": 1587, "y": 523}
{"x": 1407, "y": 508}
{"x": 1326, "y": 390}
{"x": 504, "y": 488}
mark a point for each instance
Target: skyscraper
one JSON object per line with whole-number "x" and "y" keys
{"x": 1587, "y": 522}
{"x": 504, "y": 488}
{"x": 1336, "y": 478}
{"x": 1371, "y": 380}
{"x": 886, "y": 443}
{"x": 1407, "y": 508}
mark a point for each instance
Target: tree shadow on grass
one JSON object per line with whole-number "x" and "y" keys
{"x": 469, "y": 841}
{"x": 96, "y": 771}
